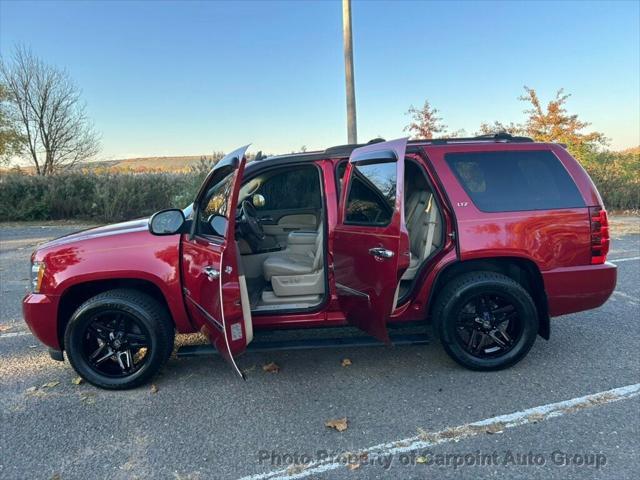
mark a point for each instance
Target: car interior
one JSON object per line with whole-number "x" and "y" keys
{"x": 284, "y": 264}
{"x": 281, "y": 236}
{"x": 424, "y": 223}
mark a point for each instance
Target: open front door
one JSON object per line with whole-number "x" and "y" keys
{"x": 371, "y": 243}
{"x": 214, "y": 287}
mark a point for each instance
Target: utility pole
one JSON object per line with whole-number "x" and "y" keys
{"x": 347, "y": 40}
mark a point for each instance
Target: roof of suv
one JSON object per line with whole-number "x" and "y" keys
{"x": 345, "y": 150}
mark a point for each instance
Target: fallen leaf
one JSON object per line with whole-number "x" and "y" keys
{"x": 5, "y": 328}
{"x": 421, "y": 459}
{"x": 154, "y": 388}
{"x": 296, "y": 468}
{"x": 88, "y": 398}
{"x": 31, "y": 389}
{"x": 77, "y": 381}
{"x": 56, "y": 476}
{"x": 353, "y": 466}
{"x": 51, "y": 384}
{"x": 345, "y": 362}
{"x": 340, "y": 424}
{"x": 271, "y": 367}
{"x": 495, "y": 428}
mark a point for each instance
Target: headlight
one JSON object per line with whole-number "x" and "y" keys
{"x": 37, "y": 272}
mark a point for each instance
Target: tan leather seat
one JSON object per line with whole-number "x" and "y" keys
{"x": 297, "y": 273}
{"x": 290, "y": 264}
{"x": 421, "y": 216}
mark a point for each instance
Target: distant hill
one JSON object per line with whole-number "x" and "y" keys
{"x": 165, "y": 164}
{"x": 170, "y": 164}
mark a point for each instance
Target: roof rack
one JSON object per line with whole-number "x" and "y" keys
{"x": 502, "y": 137}
{"x": 349, "y": 147}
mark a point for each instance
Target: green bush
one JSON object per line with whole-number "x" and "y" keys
{"x": 106, "y": 197}
{"x": 109, "y": 197}
{"x": 617, "y": 176}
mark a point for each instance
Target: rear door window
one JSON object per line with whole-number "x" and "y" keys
{"x": 372, "y": 194}
{"x": 508, "y": 181}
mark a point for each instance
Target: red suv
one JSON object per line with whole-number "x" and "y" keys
{"x": 485, "y": 237}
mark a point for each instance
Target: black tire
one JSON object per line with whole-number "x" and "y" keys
{"x": 456, "y": 314}
{"x": 147, "y": 320}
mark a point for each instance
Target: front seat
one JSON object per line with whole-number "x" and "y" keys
{"x": 297, "y": 273}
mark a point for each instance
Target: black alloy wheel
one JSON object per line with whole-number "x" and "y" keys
{"x": 485, "y": 320}
{"x": 119, "y": 339}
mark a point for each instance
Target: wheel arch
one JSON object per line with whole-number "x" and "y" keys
{"x": 522, "y": 270}
{"x": 77, "y": 294}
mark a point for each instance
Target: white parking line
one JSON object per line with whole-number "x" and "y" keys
{"x": 627, "y": 259}
{"x": 454, "y": 434}
{"x": 630, "y": 298}
{"x": 14, "y": 334}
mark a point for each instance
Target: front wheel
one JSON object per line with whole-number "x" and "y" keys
{"x": 119, "y": 339}
{"x": 485, "y": 320}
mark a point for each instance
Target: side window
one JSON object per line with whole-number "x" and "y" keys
{"x": 509, "y": 181}
{"x": 215, "y": 202}
{"x": 297, "y": 188}
{"x": 372, "y": 194}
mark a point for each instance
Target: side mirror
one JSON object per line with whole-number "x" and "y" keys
{"x": 167, "y": 222}
{"x": 218, "y": 224}
{"x": 258, "y": 200}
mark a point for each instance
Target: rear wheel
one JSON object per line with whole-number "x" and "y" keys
{"x": 119, "y": 339}
{"x": 485, "y": 320}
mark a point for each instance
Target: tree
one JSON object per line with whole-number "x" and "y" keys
{"x": 552, "y": 123}
{"x": 53, "y": 123}
{"x": 10, "y": 139}
{"x": 425, "y": 122}
{"x": 498, "y": 127}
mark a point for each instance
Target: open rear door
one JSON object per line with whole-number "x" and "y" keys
{"x": 213, "y": 285}
{"x": 371, "y": 243}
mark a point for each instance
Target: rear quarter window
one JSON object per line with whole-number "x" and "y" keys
{"x": 509, "y": 181}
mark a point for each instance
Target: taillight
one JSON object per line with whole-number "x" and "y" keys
{"x": 599, "y": 235}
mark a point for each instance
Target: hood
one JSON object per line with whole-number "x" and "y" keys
{"x": 138, "y": 225}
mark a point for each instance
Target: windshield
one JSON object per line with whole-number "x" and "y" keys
{"x": 188, "y": 211}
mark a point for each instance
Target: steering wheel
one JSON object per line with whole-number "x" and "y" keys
{"x": 250, "y": 219}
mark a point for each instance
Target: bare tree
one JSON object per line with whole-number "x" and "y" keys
{"x": 425, "y": 121}
{"x": 10, "y": 139}
{"x": 54, "y": 126}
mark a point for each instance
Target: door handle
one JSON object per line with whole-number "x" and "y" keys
{"x": 211, "y": 272}
{"x": 381, "y": 252}
{"x": 266, "y": 219}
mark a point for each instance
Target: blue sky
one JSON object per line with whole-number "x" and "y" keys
{"x": 186, "y": 78}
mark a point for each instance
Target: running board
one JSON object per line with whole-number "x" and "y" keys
{"x": 307, "y": 344}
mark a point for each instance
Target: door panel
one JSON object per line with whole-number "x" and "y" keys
{"x": 278, "y": 224}
{"x": 212, "y": 281}
{"x": 371, "y": 243}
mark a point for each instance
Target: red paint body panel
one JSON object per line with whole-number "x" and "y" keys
{"x": 215, "y": 304}
{"x": 557, "y": 242}
{"x": 40, "y": 313}
{"x": 574, "y": 289}
{"x": 366, "y": 284}
{"x": 121, "y": 251}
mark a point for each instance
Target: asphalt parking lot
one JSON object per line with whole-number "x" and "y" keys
{"x": 408, "y": 408}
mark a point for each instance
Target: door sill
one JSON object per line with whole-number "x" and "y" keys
{"x": 309, "y": 344}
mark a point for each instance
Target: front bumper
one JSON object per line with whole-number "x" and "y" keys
{"x": 40, "y": 313}
{"x": 574, "y": 289}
